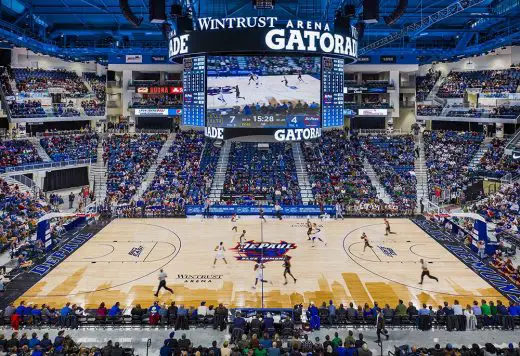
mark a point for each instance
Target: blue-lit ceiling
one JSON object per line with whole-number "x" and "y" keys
{"x": 92, "y": 29}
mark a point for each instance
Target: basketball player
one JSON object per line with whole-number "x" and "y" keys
{"x": 261, "y": 212}
{"x": 287, "y": 269}
{"x": 242, "y": 236}
{"x": 234, "y": 219}
{"x": 309, "y": 229}
{"x": 387, "y": 228}
{"x": 221, "y": 97}
{"x": 220, "y": 253}
{"x": 426, "y": 272}
{"x": 316, "y": 234}
{"x": 259, "y": 273}
{"x": 364, "y": 237}
{"x": 285, "y": 81}
{"x": 251, "y": 78}
{"x": 162, "y": 283}
{"x": 237, "y": 93}
{"x": 300, "y": 77}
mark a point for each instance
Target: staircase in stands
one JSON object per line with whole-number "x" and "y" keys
{"x": 381, "y": 192}
{"x": 87, "y": 84}
{"x": 302, "y": 174}
{"x": 433, "y": 93}
{"x": 98, "y": 174}
{"x": 41, "y": 151}
{"x": 217, "y": 186}
{"x": 421, "y": 172}
{"x": 15, "y": 180}
{"x": 150, "y": 174}
{"x": 481, "y": 151}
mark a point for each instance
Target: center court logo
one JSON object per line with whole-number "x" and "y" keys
{"x": 387, "y": 251}
{"x": 267, "y": 251}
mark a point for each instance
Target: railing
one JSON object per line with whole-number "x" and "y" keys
{"x": 512, "y": 144}
{"x": 507, "y": 179}
{"x": 44, "y": 165}
{"x": 173, "y": 82}
{"x": 114, "y": 84}
{"x": 5, "y": 105}
{"x": 27, "y": 182}
{"x": 152, "y": 131}
{"x": 63, "y": 133}
{"x": 379, "y": 132}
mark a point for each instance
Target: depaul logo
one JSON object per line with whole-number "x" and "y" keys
{"x": 265, "y": 251}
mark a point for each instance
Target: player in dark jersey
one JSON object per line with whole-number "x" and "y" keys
{"x": 287, "y": 269}
{"x": 237, "y": 93}
{"x": 242, "y": 236}
{"x": 309, "y": 229}
{"x": 300, "y": 77}
{"x": 387, "y": 228}
{"x": 285, "y": 81}
{"x": 262, "y": 217}
{"x": 251, "y": 78}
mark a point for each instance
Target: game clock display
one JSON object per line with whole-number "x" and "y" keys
{"x": 194, "y": 91}
{"x": 262, "y": 121}
{"x": 263, "y": 92}
{"x": 333, "y": 96}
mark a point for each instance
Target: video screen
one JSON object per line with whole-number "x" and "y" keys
{"x": 263, "y": 92}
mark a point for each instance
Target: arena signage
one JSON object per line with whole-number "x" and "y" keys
{"x": 297, "y": 134}
{"x": 263, "y": 34}
{"x": 372, "y": 112}
{"x": 214, "y": 132}
{"x": 159, "y": 90}
{"x": 158, "y": 112}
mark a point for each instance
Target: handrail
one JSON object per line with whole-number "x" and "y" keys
{"x": 5, "y": 105}
{"x": 63, "y": 133}
{"x": 43, "y": 165}
{"x": 379, "y": 132}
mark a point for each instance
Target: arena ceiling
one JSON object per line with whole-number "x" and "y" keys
{"x": 91, "y": 29}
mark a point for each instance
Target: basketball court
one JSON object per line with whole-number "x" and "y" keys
{"x": 122, "y": 261}
{"x": 271, "y": 90}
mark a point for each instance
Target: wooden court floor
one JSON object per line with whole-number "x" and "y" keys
{"x": 122, "y": 261}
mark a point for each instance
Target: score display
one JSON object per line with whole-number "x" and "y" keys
{"x": 332, "y": 88}
{"x": 194, "y": 91}
{"x": 263, "y": 92}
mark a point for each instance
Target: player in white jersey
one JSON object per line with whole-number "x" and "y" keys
{"x": 221, "y": 96}
{"x": 234, "y": 220}
{"x": 259, "y": 273}
{"x": 317, "y": 235}
{"x": 285, "y": 81}
{"x": 220, "y": 253}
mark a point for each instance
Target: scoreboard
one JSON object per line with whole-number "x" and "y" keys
{"x": 332, "y": 92}
{"x": 268, "y": 121}
{"x": 194, "y": 91}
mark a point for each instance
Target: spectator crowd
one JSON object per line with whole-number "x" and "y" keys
{"x": 128, "y": 158}
{"x": 392, "y": 158}
{"x": 255, "y": 173}
{"x": 70, "y": 147}
{"x": 448, "y": 155}
{"x": 184, "y": 175}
